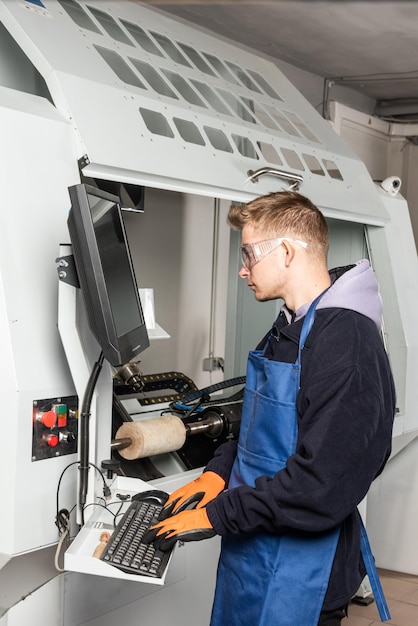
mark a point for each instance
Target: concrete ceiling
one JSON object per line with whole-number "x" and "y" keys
{"x": 371, "y": 47}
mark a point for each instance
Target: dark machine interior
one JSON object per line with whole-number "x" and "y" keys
{"x": 210, "y": 421}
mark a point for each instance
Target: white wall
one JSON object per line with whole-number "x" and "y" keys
{"x": 384, "y": 148}
{"x": 172, "y": 249}
{"x": 410, "y": 181}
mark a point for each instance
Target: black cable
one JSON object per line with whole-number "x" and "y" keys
{"x": 59, "y": 521}
{"x": 204, "y": 394}
{"x": 63, "y": 514}
{"x": 107, "y": 508}
{"x": 106, "y": 490}
{"x": 62, "y": 518}
{"x": 84, "y": 434}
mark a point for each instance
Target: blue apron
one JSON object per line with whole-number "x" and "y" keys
{"x": 264, "y": 579}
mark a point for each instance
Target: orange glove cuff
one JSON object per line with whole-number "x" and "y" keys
{"x": 198, "y": 492}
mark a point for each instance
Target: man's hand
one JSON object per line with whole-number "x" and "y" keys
{"x": 198, "y": 492}
{"x": 186, "y": 526}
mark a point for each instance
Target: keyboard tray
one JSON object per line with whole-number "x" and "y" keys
{"x": 125, "y": 549}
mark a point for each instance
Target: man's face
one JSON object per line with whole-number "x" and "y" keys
{"x": 264, "y": 278}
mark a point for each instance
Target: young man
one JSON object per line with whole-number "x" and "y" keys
{"x": 316, "y": 430}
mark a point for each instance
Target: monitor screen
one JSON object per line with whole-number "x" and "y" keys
{"x": 105, "y": 272}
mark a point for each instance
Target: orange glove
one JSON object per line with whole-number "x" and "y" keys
{"x": 199, "y": 492}
{"x": 186, "y": 526}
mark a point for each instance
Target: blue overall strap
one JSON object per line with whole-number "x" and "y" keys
{"x": 308, "y": 323}
{"x": 373, "y": 575}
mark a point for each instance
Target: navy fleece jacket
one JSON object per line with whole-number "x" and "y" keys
{"x": 346, "y": 407}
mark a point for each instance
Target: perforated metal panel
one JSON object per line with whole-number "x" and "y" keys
{"x": 154, "y": 101}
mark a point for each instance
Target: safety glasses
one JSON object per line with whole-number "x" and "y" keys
{"x": 252, "y": 253}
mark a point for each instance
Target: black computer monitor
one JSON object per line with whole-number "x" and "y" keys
{"x": 106, "y": 275}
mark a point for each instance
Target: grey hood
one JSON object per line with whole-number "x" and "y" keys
{"x": 356, "y": 289}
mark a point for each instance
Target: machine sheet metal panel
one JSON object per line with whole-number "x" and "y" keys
{"x": 33, "y": 365}
{"x": 155, "y": 101}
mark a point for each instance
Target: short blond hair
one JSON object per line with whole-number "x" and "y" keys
{"x": 284, "y": 213}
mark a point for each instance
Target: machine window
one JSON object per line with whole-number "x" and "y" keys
{"x": 283, "y": 122}
{"x": 332, "y": 169}
{"x": 120, "y": 67}
{"x": 245, "y": 146}
{"x": 189, "y": 131}
{"x": 184, "y": 88}
{"x": 196, "y": 59}
{"x": 110, "y": 26}
{"x": 218, "y": 139}
{"x": 292, "y": 159}
{"x": 220, "y": 68}
{"x": 237, "y": 106}
{"x": 151, "y": 75}
{"x": 243, "y": 77}
{"x": 265, "y": 119}
{"x": 269, "y": 152}
{"x": 211, "y": 97}
{"x": 301, "y": 126}
{"x": 251, "y": 104}
{"x": 313, "y": 164}
{"x": 265, "y": 86}
{"x": 79, "y": 15}
{"x": 142, "y": 38}
{"x": 156, "y": 123}
{"x": 173, "y": 52}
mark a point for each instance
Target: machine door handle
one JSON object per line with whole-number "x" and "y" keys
{"x": 296, "y": 179}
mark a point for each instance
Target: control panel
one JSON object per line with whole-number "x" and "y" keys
{"x": 55, "y": 427}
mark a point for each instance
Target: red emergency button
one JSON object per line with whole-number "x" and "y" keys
{"x": 48, "y": 419}
{"x": 52, "y": 441}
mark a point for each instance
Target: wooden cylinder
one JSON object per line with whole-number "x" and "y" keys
{"x": 153, "y": 436}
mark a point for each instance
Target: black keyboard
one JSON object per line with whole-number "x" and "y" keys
{"x": 125, "y": 549}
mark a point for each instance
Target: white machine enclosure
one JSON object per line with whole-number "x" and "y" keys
{"x": 130, "y": 95}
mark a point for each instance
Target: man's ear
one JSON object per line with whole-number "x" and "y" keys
{"x": 289, "y": 252}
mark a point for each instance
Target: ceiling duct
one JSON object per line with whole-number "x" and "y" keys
{"x": 403, "y": 108}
